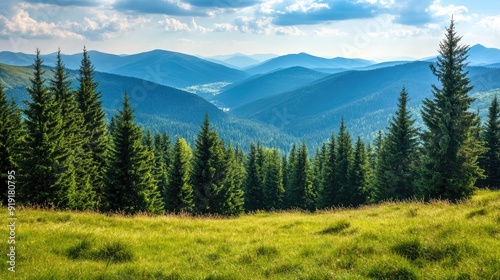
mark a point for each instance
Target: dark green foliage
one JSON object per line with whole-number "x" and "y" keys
{"x": 450, "y": 151}
{"x": 318, "y": 168}
{"x": 397, "y": 159}
{"x": 130, "y": 185}
{"x": 254, "y": 184}
{"x": 74, "y": 189}
{"x": 94, "y": 124}
{"x": 210, "y": 168}
{"x": 301, "y": 189}
{"x": 274, "y": 191}
{"x": 10, "y": 140}
{"x": 343, "y": 167}
{"x": 359, "y": 175}
{"x": 490, "y": 161}
{"x": 330, "y": 187}
{"x": 41, "y": 154}
{"x": 178, "y": 196}
{"x": 233, "y": 197}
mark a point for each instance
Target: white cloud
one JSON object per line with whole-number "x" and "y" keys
{"x": 459, "y": 12}
{"x": 491, "y": 22}
{"x": 102, "y": 26}
{"x": 175, "y": 25}
{"x": 305, "y": 6}
{"x": 20, "y": 23}
{"x": 329, "y": 32}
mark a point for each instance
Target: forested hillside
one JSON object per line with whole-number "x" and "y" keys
{"x": 68, "y": 155}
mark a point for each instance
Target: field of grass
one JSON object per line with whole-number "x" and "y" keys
{"x": 388, "y": 241}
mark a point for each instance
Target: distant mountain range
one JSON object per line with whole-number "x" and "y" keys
{"x": 277, "y": 101}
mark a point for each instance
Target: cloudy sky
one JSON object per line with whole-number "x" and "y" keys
{"x": 372, "y": 29}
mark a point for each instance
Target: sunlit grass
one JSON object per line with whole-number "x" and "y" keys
{"x": 410, "y": 240}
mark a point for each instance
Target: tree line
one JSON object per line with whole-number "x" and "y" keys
{"x": 68, "y": 157}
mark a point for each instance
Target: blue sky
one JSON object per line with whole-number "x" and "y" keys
{"x": 371, "y": 29}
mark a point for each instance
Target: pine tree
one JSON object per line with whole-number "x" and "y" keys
{"x": 396, "y": 168}
{"x": 290, "y": 176}
{"x": 11, "y": 137}
{"x": 179, "y": 193}
{"x": 94, "y": 124}
{"x": 330, "y": 187}
{"x": 74, "y": 189}
{"x": 254, "y": 188}
{"x": 450, "y": 160}
{"x": 319, "y": 163}
{"x": 208, "y": 171}
{"x": 360, "y": 174}
{"x": 343, "y": 167}
{"x": 130, "y": 187}
{"x": 232, "y": 194}
{"x": 301, "y": 193}
{"x": 490, "y": 161}
{"x": 41, "y": 154}
{"x": 273, "y": 182}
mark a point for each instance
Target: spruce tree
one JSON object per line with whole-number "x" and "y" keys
{"x": 94, "y": 124}
{"x": 343, "y": 167}
{"x": 208, "y": 171}
{"x": 450, "y": 151}
{"x": 330, "y": 187}
{"x": 232, "y": 202}
{"x": 301, "y": 192}
{"x": 179, "y": 192}
{"x": 490, "y": 161}
{"x": 130, "y": 187}
{"x": 396, "y": 168}
{"x": 254, "y": 188}
{"x": 290, "y": 176}
{"x": 10, "y": 140}
{"x": 360, "y": 174}
{"x": 273, "y": 183}
{"x": 74, "y": 189}
{"x": 41, "y": 154}
{"x": 318, "y": 169}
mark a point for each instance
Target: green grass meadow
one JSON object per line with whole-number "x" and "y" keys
{"x": 410, "y": 240}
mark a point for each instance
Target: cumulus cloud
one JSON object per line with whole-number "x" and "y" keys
{"x": 175, "y": 25}
{"x": 102, "y": 26}
{"x": 256, "y": 25}
{"x": 423, "y": 12}
{"x": 21, "y": 24}
{"x": 491, "y": 23}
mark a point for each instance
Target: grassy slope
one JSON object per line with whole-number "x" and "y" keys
{"x": 388, "y": 241}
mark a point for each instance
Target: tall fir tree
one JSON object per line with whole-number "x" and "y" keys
{"x": 450, "y": 150}
{"x": 11, "y": 137}
{"x": 94, "y": 124}
{"x": 360, "y": 175}
{"x": 301, "y": 192}
{"x": 254, "y": 187}
{"x": 319, "y": 163}
{"x": 130, "y": 187}
{"x": 41, "y": 155}
{"x": 396, "y": 169}
{"x": 290, "y": 176}
{"x": 179, "y": 192}
{"x": 232, "y": 202}
{"x": 330, "y": 187}
{"x": 490, "y": 161}
{"x": 344, "y": 158}
{"x": 208, "y": 171}
{"x": 273, "y": 181}
{"x": 74, "y": 188}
